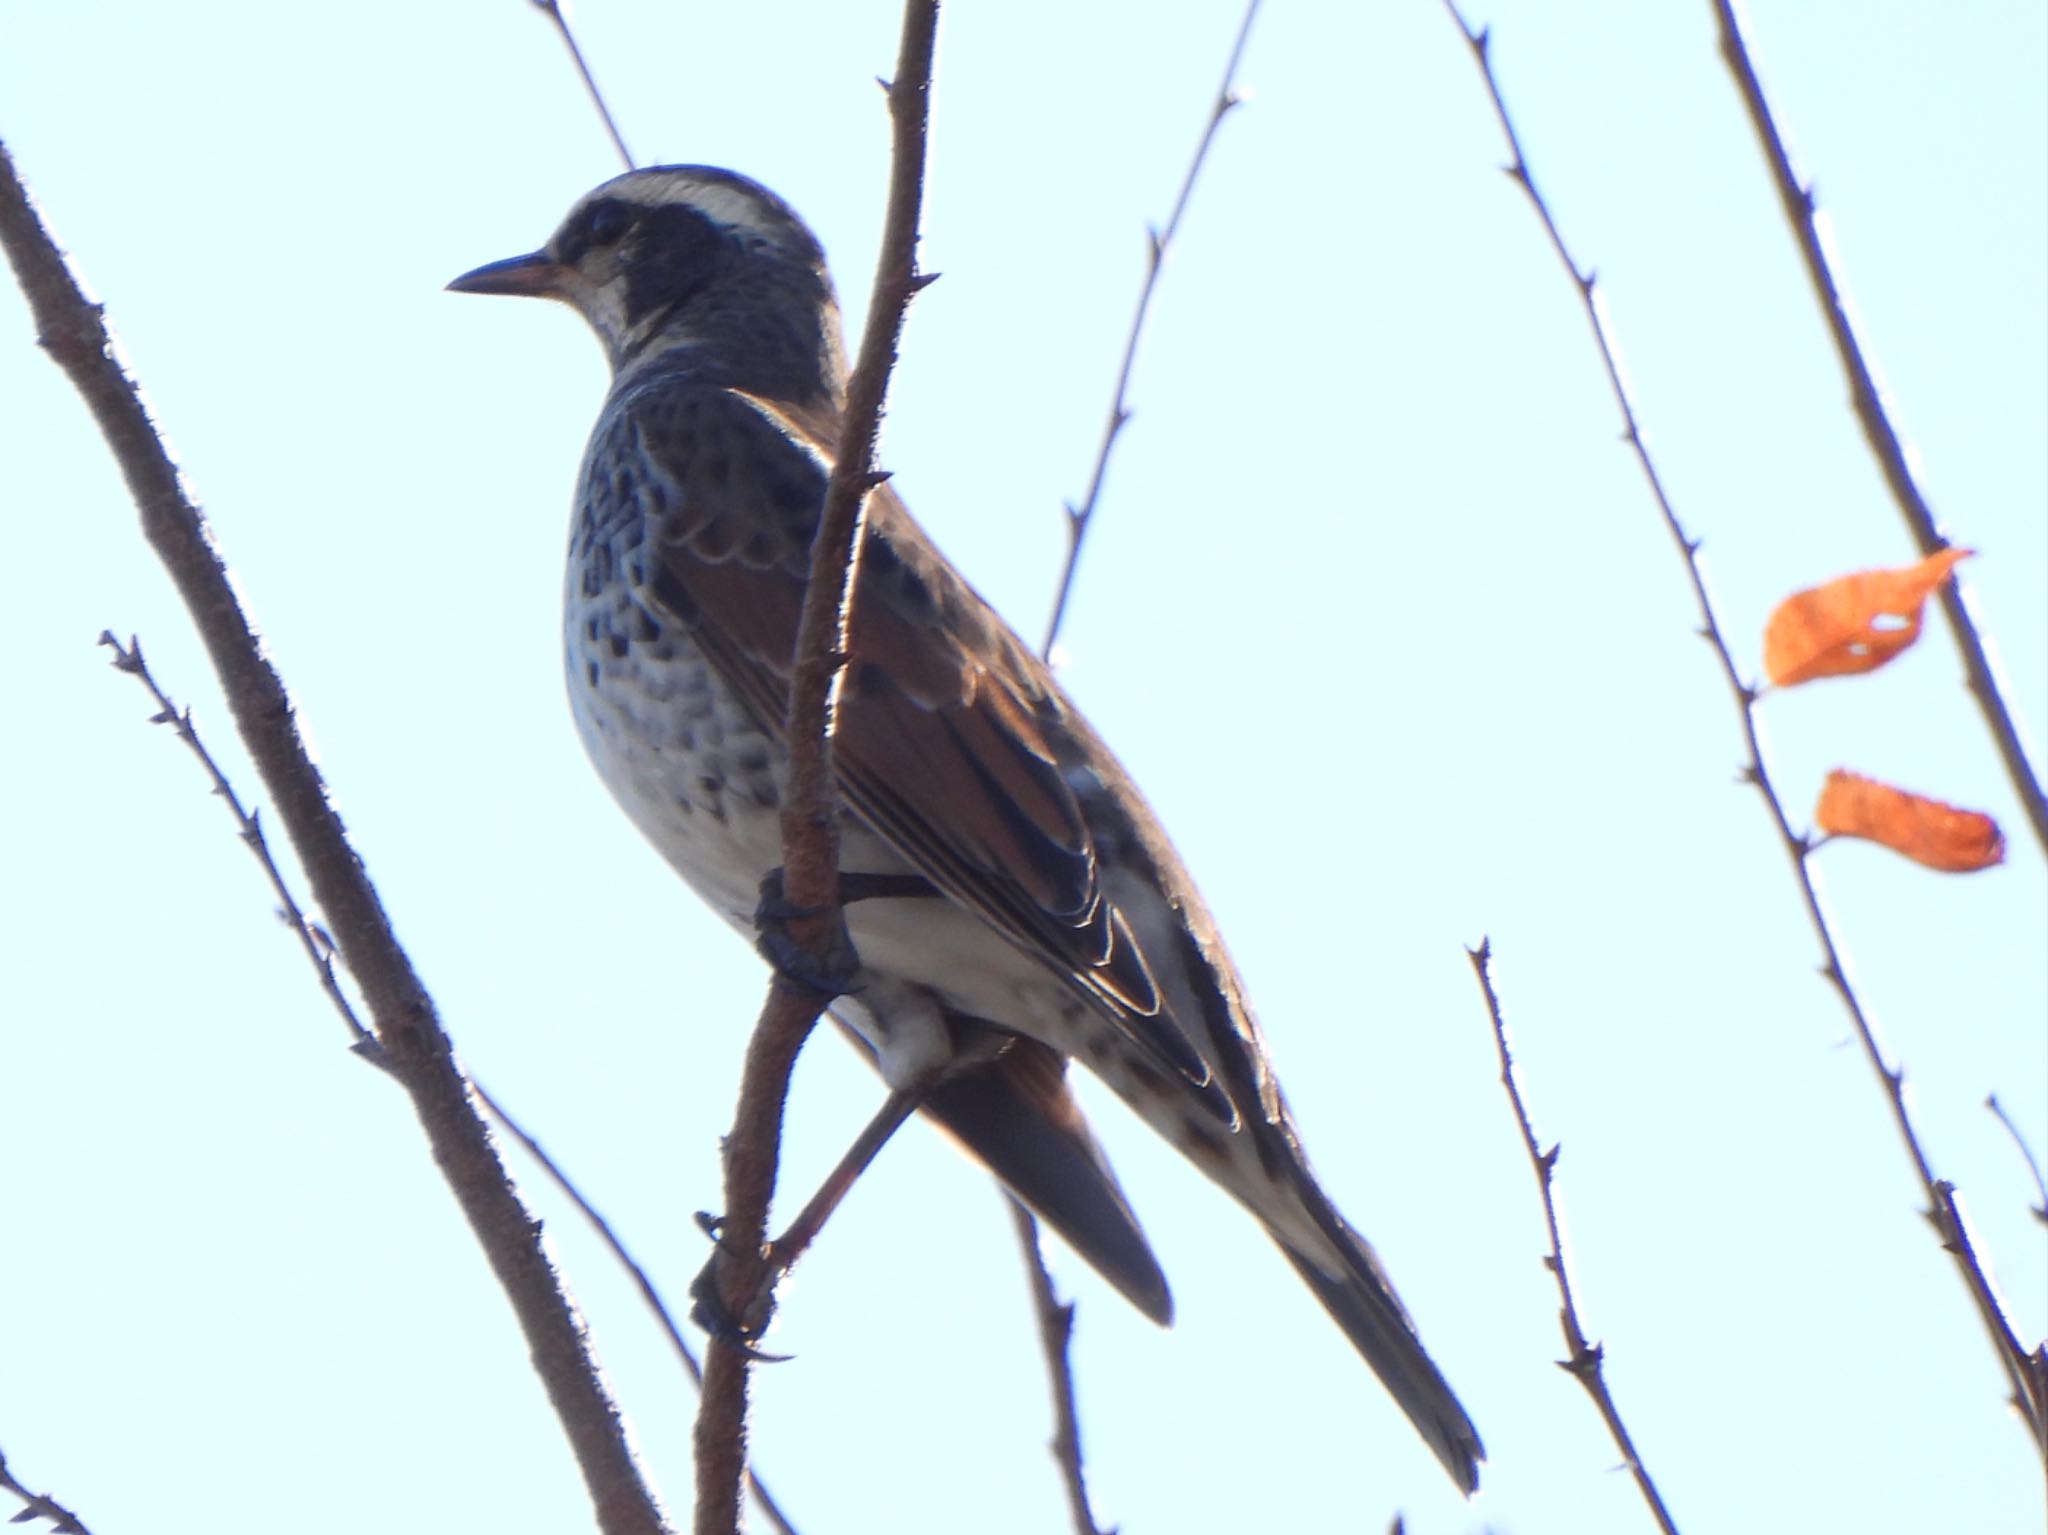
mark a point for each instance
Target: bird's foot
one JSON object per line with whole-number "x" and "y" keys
{"x": 825, "y": 968}
{"x": 736, "y": 1326}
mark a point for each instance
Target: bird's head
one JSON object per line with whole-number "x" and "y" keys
{"x": 689, "y": 256}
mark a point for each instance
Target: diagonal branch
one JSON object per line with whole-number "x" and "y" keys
{"x": 1159, "y": 241}
{"x": 40, "y": 1506}
{"x": 1800, "y": 212}
{"x": 2026, "y": 1372}
{"x": 1056, "y": 1317}
{"x": 1585, "y": 1361}
{"x": 71, "y": 329}
{"x": 553, "y": 11}
{"x": 810, "y": 839}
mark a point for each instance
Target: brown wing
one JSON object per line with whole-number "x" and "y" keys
{"x": 942, "y": 743}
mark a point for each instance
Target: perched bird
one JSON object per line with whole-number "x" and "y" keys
{"x": 1013, "y": 902}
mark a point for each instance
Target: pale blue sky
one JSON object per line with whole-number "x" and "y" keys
{"x": 1378, "y": 611}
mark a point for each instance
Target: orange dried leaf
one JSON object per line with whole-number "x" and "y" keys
{"x": 1851, "y": 624}
{"x": 1925, "y": 830}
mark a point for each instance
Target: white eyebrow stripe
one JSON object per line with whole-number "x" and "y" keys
{"x": 728, "y": 205}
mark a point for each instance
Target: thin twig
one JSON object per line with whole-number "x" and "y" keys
{"x": 1056, "y": 1317}
{"x": 648, "y": 1290}
{"x": 810, "y": 850}
{"x": 554, "y": 13}
{"x": 71, "y": 329}
{"x": 1055, "y": 1333}
{"x": 2039, "y": 1209}
{"x": 40, "y": 1506}
{"x": 319, "y": 948}
{"x": 1584, "y": 1361}
{"x": 2025, "y": 1372}
{"x": 1801, "y": 213}
{"x": 320, "y": 951}
{"x": 1158, "y": 242}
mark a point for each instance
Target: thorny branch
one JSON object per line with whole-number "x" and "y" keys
{"x": 2026, "y": 1372}
{"x": 1158, "y": 242}
{"x": 313, "y": 939}
{"x": 1585, "y": 1361}
{"x": 1801, "y": 213}
{"x": 809, "y": 826}
{"x": 1056, "y": 1317}
{"x": 320, "y": 952}
{"x": 73, "y": 331}
{"x": 40, "y": 1505}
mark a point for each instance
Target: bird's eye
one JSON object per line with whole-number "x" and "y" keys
{"x": 607, "y": 222}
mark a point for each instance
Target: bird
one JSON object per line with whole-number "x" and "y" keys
{"x": 1012, "y": 902}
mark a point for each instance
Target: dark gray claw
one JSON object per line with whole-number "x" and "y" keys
{"x": 708, "y": 1311}
{"x": 828, "y": 970}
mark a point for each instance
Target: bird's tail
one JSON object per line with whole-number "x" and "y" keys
{"x": 1362, "y": 1301}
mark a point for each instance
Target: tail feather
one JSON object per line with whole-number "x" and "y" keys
{"x": 1362, "y": 1302}
{"x": 1018, "y": 1116}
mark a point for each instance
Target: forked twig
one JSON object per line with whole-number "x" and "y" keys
{"x": 1159, "y": 241}
{"x": 418, "y": 1052}
{"x": 810, "y": 849}
{"x": 649, "y": 1293}
{"x": 320, "y": 952}
{"x": 1584, "y": 1362}
{"x": 2026, "y": 1373}
{"x": 553, "y": 9}
{"x": 313, "y": 939}
{"x": 1801, "y": 212}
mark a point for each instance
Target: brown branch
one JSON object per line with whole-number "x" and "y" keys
{"x": 1055, "y": 1332}
{"x": 2023, "y": 1371}
{"x": 1584, "y": 1362}
{"x": 40, "y": 1505}
{"x": 810, "y": 842}
{"x": 1158, "y": 242}
{"x": 71, "y": 329}
{"x": 318, "y": 946}
{"x": 553, "y": 10}
{"x": 648, "y": 1290}
{"x": 320, "y": 953}
{"x": 1056, "y": 1317}
{"x": 1800, "y": 207}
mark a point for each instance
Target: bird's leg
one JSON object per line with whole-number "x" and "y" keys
{"x": 827, "y": 970}
{"x": 810, "y": 1220}
{"x": 710, "y": 1311}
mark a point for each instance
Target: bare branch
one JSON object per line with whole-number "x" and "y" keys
{"x": 319, "y": 948}
{"x": 1159, "y": 241}
{"x": 810, "y": 839}
{"x": 1055, "y": 1332}
{"x": 72, "y": 330}
{"x": 2039, "y": 1209}
{"x": 1056, "y": 1317}
{"x": 553, "y": 9}
{"x": 40, "y": 1506}
{"x": 2029, "y": 1383}
{"x": 1584, "y": 1361}
{"x": 1801, "y": 213}
{"x": 648, "y": 1291}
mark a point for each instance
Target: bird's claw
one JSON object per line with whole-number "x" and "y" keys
{"x": 826, "y": 969}
{"x": 709, "y": 1311}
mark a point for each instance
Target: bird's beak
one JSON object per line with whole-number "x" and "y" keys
{"x": 536, "y": 275}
